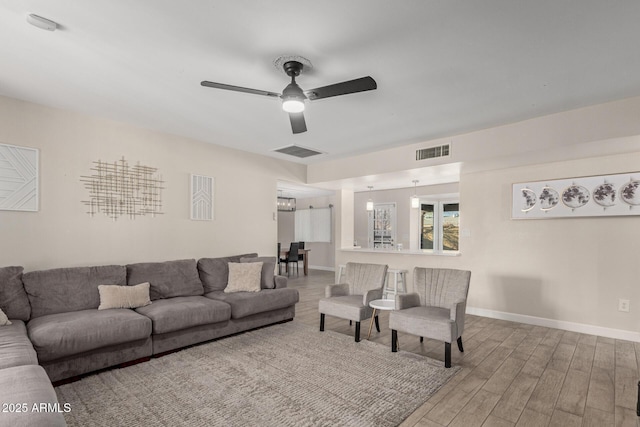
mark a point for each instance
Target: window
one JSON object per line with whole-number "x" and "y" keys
{"x": 439, "y": 226}
{"x": 313, "y": 225}
{"x": 382, "y": 226}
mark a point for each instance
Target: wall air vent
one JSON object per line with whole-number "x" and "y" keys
{"x": 297, "y": 151}
{"x": 433, "y": 152}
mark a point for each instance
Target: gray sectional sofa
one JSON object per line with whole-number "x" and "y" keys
{"x": 58, "y": 333}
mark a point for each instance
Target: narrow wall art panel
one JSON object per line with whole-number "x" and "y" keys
{"x": 201, "y": 198}
{"x": 18, "y": 178}
{"x": 605, "y": 195}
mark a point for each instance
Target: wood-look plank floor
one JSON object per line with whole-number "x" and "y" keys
{"x": 513, "y": 374}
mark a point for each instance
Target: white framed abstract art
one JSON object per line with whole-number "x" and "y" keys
{"x": 202, "y": 198}
{"x": 604, "y": 195}
{"x": 18, "y": 178}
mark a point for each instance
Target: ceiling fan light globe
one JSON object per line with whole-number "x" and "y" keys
{"x": 293, "y": 105}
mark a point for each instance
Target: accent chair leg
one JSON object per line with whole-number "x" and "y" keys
{"x": 394, "y": 340}
{"x": 350, "y": 322}
{"x": 460, "y": 345}
{"x": 447, "y": 355}
{"x": 377, "y": 324}
{"x": 638, "y": 407}
{"x": 421, "y": 339}
{"x": 321, "y": 322}
{"x": 357, "y": 331}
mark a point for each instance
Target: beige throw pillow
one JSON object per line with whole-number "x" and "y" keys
{"x": 268, "y": 269}
{"x": 114, "y": 296}
{"x": 244, "y": 277}
{"x": 4, "y": 320}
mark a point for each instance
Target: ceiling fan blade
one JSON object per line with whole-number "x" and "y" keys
{"x": 239, "y": 89}
{"x": 298, "y": 125}
{"x": 352, "y": 86}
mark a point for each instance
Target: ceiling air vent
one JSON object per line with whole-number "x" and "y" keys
{"x": 433, "y": 152}
{"x": 297, "y": 151}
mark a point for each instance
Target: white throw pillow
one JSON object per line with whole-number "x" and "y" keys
{"x": 268, "y": 269}
{"x": 115, "y": 296}
{"x": 4, "y": 320}
{"x": 244, "y": 277}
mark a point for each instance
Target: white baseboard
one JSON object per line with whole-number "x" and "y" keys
{"x": 557, "y": 324}
{"x": 319, "y": 267}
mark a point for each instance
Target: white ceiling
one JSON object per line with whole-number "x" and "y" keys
{"x": 442, "y": 67}
{"x": 301, "y": 191}
{"x": 432, "y": 175}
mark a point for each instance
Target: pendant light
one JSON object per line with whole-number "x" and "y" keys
{"x": 370, "y": 201}
{"x": 415, "y": 200}
{"x": 286, "y": 204}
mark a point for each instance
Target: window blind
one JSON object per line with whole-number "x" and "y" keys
{"x": 313, "y": 225}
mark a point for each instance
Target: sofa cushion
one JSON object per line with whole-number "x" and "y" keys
{"x": 214, "y": 272}
{"x": 63, "y": 290}
{"x": 268, "y": 270}
{"x": 174, "y": 314}
{"x": 114, "y": 296}
{"x": 245, "y": 304}
{"x": 13, "y": 298}
{"x": 15, "y": 347}
{"x": 244, "y": 277}
{"x": 429, "y": 322}
{"x": 168, "y": 279}
{"x": 63, "y": 334}
{"x": 346, "y": 307}
{"x": 280, "y": 282}
{"x": 28, "y": 386}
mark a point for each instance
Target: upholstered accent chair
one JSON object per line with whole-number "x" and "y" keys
{"x": 350, "y": 300}
{"x": 436, "y": 310}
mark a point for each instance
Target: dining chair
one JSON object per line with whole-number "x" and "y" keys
{"x": 292, "y": 257}
{"x": 350, "y": 300}
{"x": 300, "y": 256}
{"x": 435, "y": 310}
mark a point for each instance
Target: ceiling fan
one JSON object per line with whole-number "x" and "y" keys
{"x": 293, "y": 96}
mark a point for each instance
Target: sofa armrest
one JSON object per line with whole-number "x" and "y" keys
{"x": 28, "y": 386}
{"x": 280, "y": 281}
{"x": 371, "y": 295}
{"x": 407, "y": 301}
{"x": 457, "y": 313}
{"x": 340, "y": 290}
{"x": 455, "y": 310}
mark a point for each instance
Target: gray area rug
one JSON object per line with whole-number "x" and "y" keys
{"x": 283, "y": 375}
